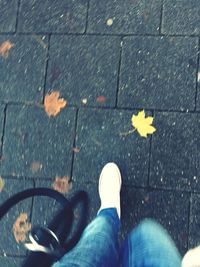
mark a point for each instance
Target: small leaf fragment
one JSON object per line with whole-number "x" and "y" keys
{"x": 62, "y": 185}
{"x": 2, "y": 184}
{"x": 76, "y": 149}
{"x": 101, "y": 99}
{"x": 53, "y": 104}
{"x": 36, "y": 166}
{"x": 5, "y": 48}
{"x": 142, "y": 124}
{"x": 21, "y": 227}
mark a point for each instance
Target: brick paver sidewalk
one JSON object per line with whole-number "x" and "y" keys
{"x": 108, "y": 59}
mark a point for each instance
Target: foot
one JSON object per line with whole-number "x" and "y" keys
{"x": 109, "y": 187}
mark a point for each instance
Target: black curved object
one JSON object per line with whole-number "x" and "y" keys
{"x": 61, "y": 224}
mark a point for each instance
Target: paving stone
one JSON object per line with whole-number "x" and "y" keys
{"x": 185, "y": 16}
{"x": 8, "y": 245}
{"x": 52, "y": 16}
{"x": 171, "y": 209}
{"x": 36, "y": 145}
{"x": 99, "y": 141}
{"x": 83, "y": 68}
{"x": 8, "y": 15}
{"x": 158, "y": 73}
{"x": 124, "y": 16}
{"x": 174, "y": 151}
{"x": 22, "y": 72}
{"x": 11, "y": 261}
{"x": 194, "y": 227}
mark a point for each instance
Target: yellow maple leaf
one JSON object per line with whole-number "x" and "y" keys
{"x": 142, "y": 124}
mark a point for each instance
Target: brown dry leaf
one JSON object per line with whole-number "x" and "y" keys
{"x": 5, "y": 48}
{"x": 76, "y": 149}
{"x": 101, "y": 99}
{"x": 62, "y": 185}
{"x": 53, "y": 104}
{"x": 21, "y": 227}
{"x": 36, "y": 166}
{"x": 2, "y": 184}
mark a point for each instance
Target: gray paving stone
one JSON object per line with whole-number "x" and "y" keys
{"x": 36, "y": 145}
{"x": 171, "y": 209}
{"x": 174, "y": 151}
{"x": 185, "y": 16}
{"x": 158, "y": 73}
{"x": 52, "y": 16}
{"x": 8, "y": 245}
{"x": 128, "y": 16}
{"x": 11, "y": 261}
{"x": 22, "y": 72}
{"x": 8, "y": 15}
{"x": 84, "y": 67}
{"x": 194, "y": 227}
{"x": 99, "y": 140}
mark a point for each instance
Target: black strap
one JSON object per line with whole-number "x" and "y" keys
{"x": 61, "y": 224}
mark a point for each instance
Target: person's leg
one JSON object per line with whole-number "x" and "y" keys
{"x": 149, "y": 245}
{"x": 98, "y": 246}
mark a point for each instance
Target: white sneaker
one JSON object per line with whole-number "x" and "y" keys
{"x": 109, "y": 187}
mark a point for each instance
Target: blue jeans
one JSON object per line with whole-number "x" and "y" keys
{"x": 148, "y": 245}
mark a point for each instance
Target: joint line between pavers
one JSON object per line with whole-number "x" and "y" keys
{"x": 17, "y": 15}
{"x": 197, "y": 75}
{"x": 3, "y": 131}
{"x": 46, "y": 68}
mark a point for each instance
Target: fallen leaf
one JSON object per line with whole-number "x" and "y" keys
{"x": 21, "y": 227}
{"x": 36, "y": 166}
{"x": 101, "y": 99}
{"x": 2, "y": 184}
{"x": 53, "y": 104}
{"x": 76, "y": 149}
{"x": 62, "y": 185}
{"x": 5, "y": 48}
{"x": 142, "y": 124}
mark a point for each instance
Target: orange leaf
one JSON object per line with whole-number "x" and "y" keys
{"x": 5, "y": 48}
{"x": 62, "y": 185}
{"x": 21, "y": 227}
{"x": 101, "y": 99}
{"x": 53, "y": 104}
{"x": 36, "y": 166}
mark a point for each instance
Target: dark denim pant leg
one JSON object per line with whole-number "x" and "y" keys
{"x": 149, "y": 245}
{"x": 98, "y": 246}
